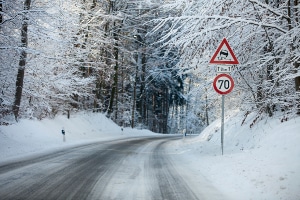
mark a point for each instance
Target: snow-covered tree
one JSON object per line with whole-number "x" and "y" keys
{"x": 264, "y": 37}
{"x": 52, "y": 82}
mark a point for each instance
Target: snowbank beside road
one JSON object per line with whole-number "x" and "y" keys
{"x": 30, "y": 137}
{"x": 258, "y": 163}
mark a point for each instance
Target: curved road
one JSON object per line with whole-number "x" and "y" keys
{"x": 128, "y": 169}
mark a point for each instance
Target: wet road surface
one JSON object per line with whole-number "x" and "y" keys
{"x": 128, "y": 169}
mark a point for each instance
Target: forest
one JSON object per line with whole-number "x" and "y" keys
{"x": 145, "y": 63}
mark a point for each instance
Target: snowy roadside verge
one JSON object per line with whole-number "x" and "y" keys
{"x": 35, "y": 137}
{"x": 258, "y": 163}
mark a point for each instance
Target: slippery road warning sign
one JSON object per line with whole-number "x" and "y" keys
{"x": 224, "y": 55}
{"x": 223, "y": 84}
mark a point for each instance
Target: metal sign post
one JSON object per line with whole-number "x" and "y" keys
{"x": 222, "y": 124}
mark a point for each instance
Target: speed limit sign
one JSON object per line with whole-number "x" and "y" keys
{"x": 223, "y": 84}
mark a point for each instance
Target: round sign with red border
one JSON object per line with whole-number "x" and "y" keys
{"x": 223, "y": 84}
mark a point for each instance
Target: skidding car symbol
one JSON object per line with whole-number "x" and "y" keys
{"x": 223, "y": 54}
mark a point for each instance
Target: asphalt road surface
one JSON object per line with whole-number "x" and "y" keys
{"x": 128, "y": 169}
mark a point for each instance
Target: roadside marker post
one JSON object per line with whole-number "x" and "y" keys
{"x": 64, "y": 134}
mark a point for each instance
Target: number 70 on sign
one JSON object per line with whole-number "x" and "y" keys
{"x": 223, "y": 84}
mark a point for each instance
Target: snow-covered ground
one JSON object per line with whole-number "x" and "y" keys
{"x": 30, "y": 137}
{"x": 258, "y": 163}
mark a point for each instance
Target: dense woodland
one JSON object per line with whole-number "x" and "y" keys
{"x": 145, "y": 63}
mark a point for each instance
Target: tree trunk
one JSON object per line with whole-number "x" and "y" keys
{"x": 143, "y": 90}
{"x": 206, "y": 108}
{"x": 296, "y": 11}
{"x": 165, "y": 110}
{"x": 187, "y": 109}
{"x": 134, "y": 98}
{"x": 297, "y": 79}
{"x": 297, "y": 64}
{"x": 297, "y": 86}
{"x": 154, "y": 117}
{"x": 289, "y": 20}
{"x": 115, "y": 84}
{"x": 116, "y": 68}
{"x": 22, "y": 62}
{"x": 1, "y": 10}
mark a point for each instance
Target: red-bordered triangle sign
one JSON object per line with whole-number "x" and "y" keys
{"x": 224, "y": 55}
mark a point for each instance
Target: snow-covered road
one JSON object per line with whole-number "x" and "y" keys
{"x": 127, "y": 169}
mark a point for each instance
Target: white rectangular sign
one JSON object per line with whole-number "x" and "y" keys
{"x": 224, "y": 69}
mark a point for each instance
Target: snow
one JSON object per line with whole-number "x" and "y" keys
{"x": 262, "y": 162}
{"x": 30, "y": 137}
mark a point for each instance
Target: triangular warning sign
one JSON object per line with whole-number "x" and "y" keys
{"x": 224, "y": 55}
